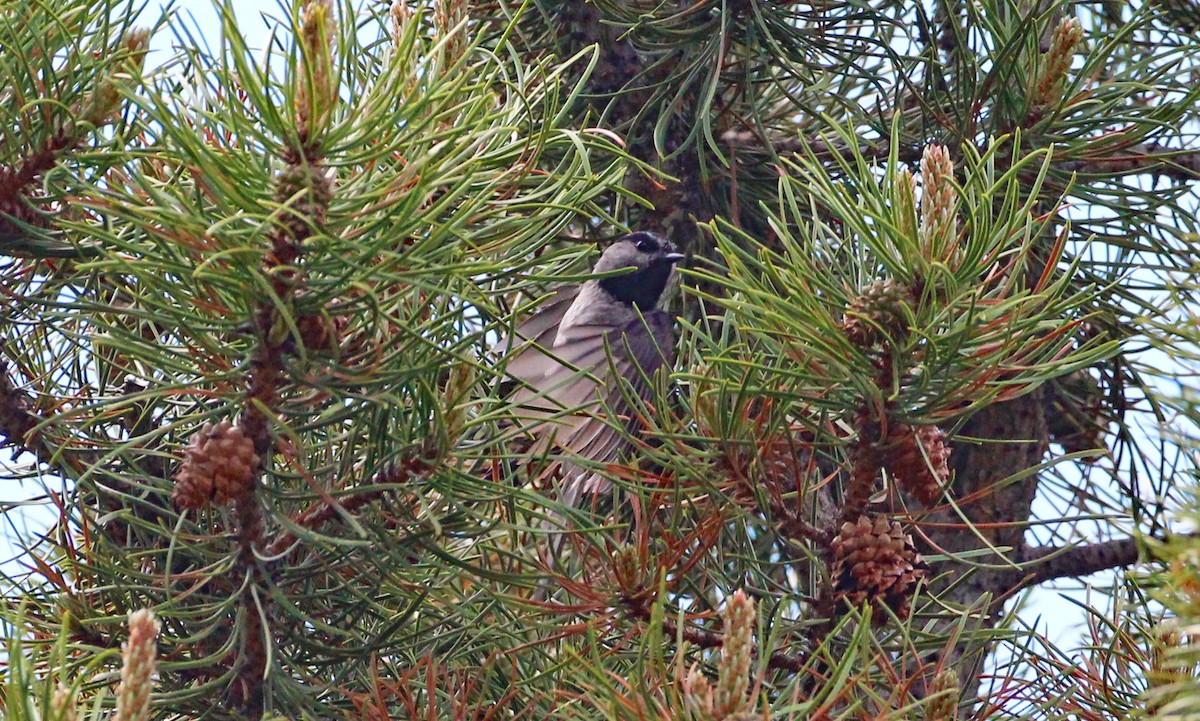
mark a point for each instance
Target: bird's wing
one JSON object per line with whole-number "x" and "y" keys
{"x": 648, "y": 344}
{"x": 521, "y": 348}
{"x": 637, "y": 351}
{"x": 569, "y": 387}
{"x": 530, "y": 359}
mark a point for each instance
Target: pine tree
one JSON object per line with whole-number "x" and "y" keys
{"x": 938, "y": 278}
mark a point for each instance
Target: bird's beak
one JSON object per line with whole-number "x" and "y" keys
{"x": 674, "y": 257}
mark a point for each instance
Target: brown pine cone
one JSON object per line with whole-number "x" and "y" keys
{"x": 779, "y": 462}
{"x": 919, "y": 460}
{"x": 877, "y": 313}
{"x": 192, "y": 489}
{"x": 218, "y": 467}
{"x": 874, "y": 560}
{"x": 317, "y": 331}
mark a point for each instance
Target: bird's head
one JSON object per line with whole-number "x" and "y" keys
{"x": 651, "y": 260}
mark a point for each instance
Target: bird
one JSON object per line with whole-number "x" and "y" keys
{"x": 572, "y": 354}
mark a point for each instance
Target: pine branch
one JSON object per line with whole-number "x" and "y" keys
{"x": 261, "y": 401}
{"x": 948, "y": 17}
{"x": 14, "y": 181}
{"x": 318, "y": 514}
{"x": 1077, "y": 561}
{"x": 17, "y": 424}
{"x": 1179, "y": 15}
{"x": 94, "y": 109}
{"x": 793, "y": 526}
{"x": 1143, "y": 158}
{"x": 16, "y": 420}
{"x": 15, "y": 209}
{"x": 304, "y": 178}
{"x": 819, "y": 147}
{"x": 1074, "y": 561}
{"x": 628, "y": 82}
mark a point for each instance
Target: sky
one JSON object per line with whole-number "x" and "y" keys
{"x": 202, "y": 14}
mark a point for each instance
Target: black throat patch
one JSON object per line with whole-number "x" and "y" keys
{"x": 641, "y": 287}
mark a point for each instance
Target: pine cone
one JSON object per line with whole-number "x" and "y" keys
{"x": 874, "y": 560}
{"x": 306, "y": 190}
{"x": 877, "y": 312}
{"x": 733, "y": 670}
{"x": 944, "y": 692}
{"x": 192, "y": 490}
{"x": 218, "y": 466}
{"x": 317, "y": 332}
{"x": 919, "y": 460}
{"x": 779, "y": 463}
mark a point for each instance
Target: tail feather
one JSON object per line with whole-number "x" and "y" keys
{"x": 580, "y": 488}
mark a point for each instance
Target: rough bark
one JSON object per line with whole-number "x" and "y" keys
{"x": 996, "y": 443}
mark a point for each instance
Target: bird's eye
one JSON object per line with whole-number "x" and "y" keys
{"x": 647, "y": 246}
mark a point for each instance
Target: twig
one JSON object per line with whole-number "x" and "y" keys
{"x": 1076, "y": 561}
{"x": 320, "y": 513}
{"x": 791, "y": 525}
{"x": 1143, "y": 158}
{"x": 17, "y": 424}
{"x": 267, "y": 376}
{"x": 16, "y": 420}
{"x": 866, "y": 459}
{"x": 246, "y": 691}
